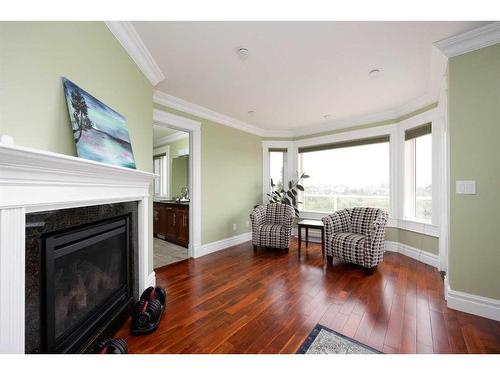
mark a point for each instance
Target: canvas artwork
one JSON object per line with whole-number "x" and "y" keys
{"x": 100, "y": 133}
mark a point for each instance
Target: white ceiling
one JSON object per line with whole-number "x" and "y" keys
{"x": 296, "y": 72}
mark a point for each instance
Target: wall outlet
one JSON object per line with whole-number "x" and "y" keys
{"x": 235, "y": 227}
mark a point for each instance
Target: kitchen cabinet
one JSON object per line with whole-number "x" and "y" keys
{"x": 171, "y": 222}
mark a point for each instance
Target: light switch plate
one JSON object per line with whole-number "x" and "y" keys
{"x": 466, "y": 187}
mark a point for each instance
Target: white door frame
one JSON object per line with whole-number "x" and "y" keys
{"x": 166, "y": 119}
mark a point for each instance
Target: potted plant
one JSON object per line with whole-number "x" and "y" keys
{"x": 289, "y": 196}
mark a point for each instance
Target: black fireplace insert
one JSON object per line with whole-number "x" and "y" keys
{"x": 86, "y": 280}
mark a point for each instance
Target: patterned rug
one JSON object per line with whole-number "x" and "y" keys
{"x": 323, "y": 340}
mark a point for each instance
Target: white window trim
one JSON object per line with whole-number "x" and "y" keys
{"x": 396, "y": 133}
{"x": 433, "y": 116}
{"x": 164, "y": 179}
{"x": 288, "y": 171}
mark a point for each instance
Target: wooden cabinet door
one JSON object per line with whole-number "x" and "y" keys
{"x": 156, "y": 219}
{"x": 170, "y": 224}
{"x": 182, "y": 227}
{"x": 162, "y": 220}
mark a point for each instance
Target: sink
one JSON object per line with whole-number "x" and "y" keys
{"x": 160, "y": 200}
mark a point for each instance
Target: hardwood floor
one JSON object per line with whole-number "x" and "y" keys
{"x": 238, "y": 301}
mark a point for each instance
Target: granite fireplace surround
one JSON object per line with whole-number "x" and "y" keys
{"x": 42, "y": 191}
{"x": 41, "y": 224}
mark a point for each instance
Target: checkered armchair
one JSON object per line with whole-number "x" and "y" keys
{"x": 272, "y": 225}
{"x": 356, "y": 235}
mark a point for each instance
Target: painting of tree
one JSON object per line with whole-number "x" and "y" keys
{"x": 100, "y": 133}
{"x": 80, "y": 113}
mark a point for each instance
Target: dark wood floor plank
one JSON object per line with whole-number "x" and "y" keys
{"x": 238, "y": 301}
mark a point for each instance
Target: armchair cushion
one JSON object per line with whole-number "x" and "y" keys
{"x": 273, "y": 235}
{"x": 349, "y": 246}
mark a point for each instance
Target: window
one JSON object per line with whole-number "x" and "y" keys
{"x": 347, "y": 174}
{"x": 277, "y": 165}
{"x": 418, "y": 173}
{"x": 160, "y": 166}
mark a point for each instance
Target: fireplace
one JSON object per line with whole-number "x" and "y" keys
{"x": 79, "y": 275}
{"x": 86, "y": 280}
{"x": 47, "y": 197}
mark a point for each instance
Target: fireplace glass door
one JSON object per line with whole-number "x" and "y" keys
{"x": 86, "y": 280}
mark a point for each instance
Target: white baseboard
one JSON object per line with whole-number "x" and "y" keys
{"x": 412, "y": 252}
{"x": 222, "y": 244}
{"x": 471, "y": 303}
{"x": 396, "y": 247}
{"x": 151, "y": 281}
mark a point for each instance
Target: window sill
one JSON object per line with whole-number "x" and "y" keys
{"x": 410, "y": 225}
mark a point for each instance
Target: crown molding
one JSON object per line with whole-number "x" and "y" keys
{"x": 169, "y": 138}
{"x": 346, "y": 123}
{"x": 392, "y": 116}
{"x": 197, "y": 110}
{"x": 469, "y": 41}
{"x": 128, "y": 37}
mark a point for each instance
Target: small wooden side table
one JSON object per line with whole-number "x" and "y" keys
{"x": 313, "y": 224}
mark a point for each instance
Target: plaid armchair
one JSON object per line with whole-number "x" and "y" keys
{"x": 356, "y": 235}
{"x": 272, "y": 225}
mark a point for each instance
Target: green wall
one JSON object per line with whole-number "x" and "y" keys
{"x": 231, "y": 178}
{"x": 177, "y": 180}
{"x": 474, "y": 126}
{"x": 33, "y": 58}
{"x": 419, "y": 241}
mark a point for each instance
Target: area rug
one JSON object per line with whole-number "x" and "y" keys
{"x": 323, "y": 340}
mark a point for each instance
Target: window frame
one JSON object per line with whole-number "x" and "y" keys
{"x": 163, "y": 180}
{"x": 407, "y": 218}
{"x": 284, "y": 175}
{"x": 410, "y": 181}
{"x": 396, "y": 132}
{"x": 385, "y": 130}
{"x": 353, "y": 144}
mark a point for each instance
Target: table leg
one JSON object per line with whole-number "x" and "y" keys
{"x": 300, "y": 238}
{"x": 307, "y": 237}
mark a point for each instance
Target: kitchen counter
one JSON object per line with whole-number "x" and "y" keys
{"x": 170, "y": 201}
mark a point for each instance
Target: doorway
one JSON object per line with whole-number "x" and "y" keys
{"x": 170, "y": 195}
{"x": 176, "y": 199}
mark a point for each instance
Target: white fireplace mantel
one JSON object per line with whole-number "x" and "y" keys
{"x": 33, "y": 181}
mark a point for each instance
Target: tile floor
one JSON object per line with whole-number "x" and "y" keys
{"x": 167, "y": 253}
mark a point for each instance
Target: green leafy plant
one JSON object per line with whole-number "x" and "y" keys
{"x": 290, "y": 196}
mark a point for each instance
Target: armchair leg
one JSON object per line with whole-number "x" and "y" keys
{"x": 370, "y": 271}
{"x": 254, "y": 248}
{"x": 329, "y": 260}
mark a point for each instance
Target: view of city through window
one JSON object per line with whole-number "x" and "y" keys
{"x": 423, "y": 177}
{"x": 276, "y": 163}
{"x": 346, "y": 177}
